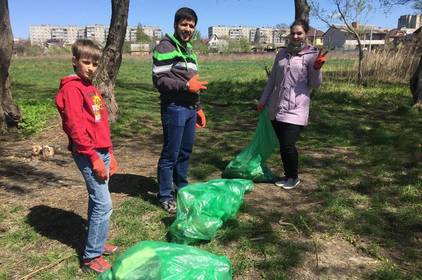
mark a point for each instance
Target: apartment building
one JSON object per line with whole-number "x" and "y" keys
{"x": 410, "y": 22}
{"x": 264, "y": 35}
{"x": 96, "y": 32}
{"x": 40, "y": 34}
{"x": 232, "y": 32}
{"x": 260, "y": 35}
{"x": 152, "y": 31}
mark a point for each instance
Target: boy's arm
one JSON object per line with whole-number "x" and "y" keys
{"x": 75, "y": 125}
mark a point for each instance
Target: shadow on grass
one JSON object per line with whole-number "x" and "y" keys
{"x": 58, "y": 224}
{"x": 135, "y": 185}
{"x": 363, "y": 142}
{"x": 21, "y": 178}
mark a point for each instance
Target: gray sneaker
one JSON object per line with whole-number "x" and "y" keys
{"x": 288, "y": 183}
{"x": 169, "y": 205}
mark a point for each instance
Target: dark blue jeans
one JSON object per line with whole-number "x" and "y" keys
{"x": 179, "y": 135}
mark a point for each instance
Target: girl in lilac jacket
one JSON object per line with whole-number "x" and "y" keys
{"x": 295, "y": 72}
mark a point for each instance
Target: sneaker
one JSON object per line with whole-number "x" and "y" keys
{"x": 110, "y": 249}
{"x": 288, "y": 183}
{"x": 169, "y": 205}
{"x": 98, "y": 265}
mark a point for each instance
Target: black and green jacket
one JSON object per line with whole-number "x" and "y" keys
{"x": 173, "y": 66}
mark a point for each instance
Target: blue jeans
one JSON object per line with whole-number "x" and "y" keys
{"x": 99, "y": 204}
{"x": 179, "y": 135}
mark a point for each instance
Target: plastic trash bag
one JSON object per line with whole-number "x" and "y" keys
{"x": 154, "y": 260}
{"x": 250, "y": 163}
{"x": 203, "y": 207}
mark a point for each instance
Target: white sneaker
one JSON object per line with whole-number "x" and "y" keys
{"x": 288, "y": 183}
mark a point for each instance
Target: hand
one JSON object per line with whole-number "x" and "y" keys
{"x": 321, "y": 59}
{"x": 194, "y": 84}
{"x": 260, "y": 107}
{"x": 99, "y": 169}
{"x": 200, "y": 119}
{"x": 113, "y": 165}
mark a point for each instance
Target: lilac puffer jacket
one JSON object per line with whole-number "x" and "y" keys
{"x": 292, "y": 78}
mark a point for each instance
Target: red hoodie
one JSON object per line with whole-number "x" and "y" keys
{"x": 84, "y": 116}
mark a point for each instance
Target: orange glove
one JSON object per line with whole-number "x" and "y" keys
{"x": 113, "y": 165}
{"x": 320, "y": 60}
{"x": 100, "y": 169}
{"x": 200, "y": 119}
{"x": 194, "y": 84}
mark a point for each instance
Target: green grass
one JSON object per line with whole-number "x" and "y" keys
{"x": 361, "y": 146}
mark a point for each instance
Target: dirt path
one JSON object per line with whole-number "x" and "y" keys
{"x": 56, "y": 183}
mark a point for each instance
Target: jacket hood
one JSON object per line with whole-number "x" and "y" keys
{"x": 71, "y": 78}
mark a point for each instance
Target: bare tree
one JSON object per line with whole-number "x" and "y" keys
{"x": 105, "y": 77}
{"x": 416, "y": 4}
{"x": 10, "y": 114}
{"x": 347, "y": 12}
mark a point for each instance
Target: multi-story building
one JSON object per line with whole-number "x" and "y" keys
{"x": 40, "y": 34}
{"x": 96, "y": 32}
{"x": 74, "y": 33}
{"x": 264, "y": 35}
{"x": 131, "y": 34}
{"x": 220, "y": 31}
{"x": 58, "y": 33}
{"x": 252, "y": 34}
{"x": 152, "y": 31}
{"x": 260, "y": 35}
{"x": 410, "y": 22}
{"x": 232, "y": 32}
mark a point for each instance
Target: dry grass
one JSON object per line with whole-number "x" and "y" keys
{"x": 378, "y": 66}
{"x": 390, "y": 65}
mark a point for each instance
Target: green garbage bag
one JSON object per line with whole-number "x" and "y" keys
{"x": 154, "y": 260}
{"x": 203, "y": 207}
{"x": 250, "y": 163}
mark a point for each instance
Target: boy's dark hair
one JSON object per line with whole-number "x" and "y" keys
{"x": 301, "y": 22}
{"x": 185, "y": 13}
{"x": 85, "y": 48}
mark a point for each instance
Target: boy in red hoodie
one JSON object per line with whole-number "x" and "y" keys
{"x": 85, "y": 122}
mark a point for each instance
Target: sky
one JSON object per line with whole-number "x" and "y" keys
{"x": 258, "y": 13}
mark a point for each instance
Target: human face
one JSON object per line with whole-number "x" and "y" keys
{"x": 185, "y": 29}
{"x": 85, "y": 67}
{"x": 297, "y": 34}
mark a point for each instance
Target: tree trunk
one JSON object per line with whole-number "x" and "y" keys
{"x": 105, "y": 77}
{"x": 361, "y": 55}
{"x": 302, "y": 10}
{"x": 10, "y": 114}
{"x": 416, "y": 85}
